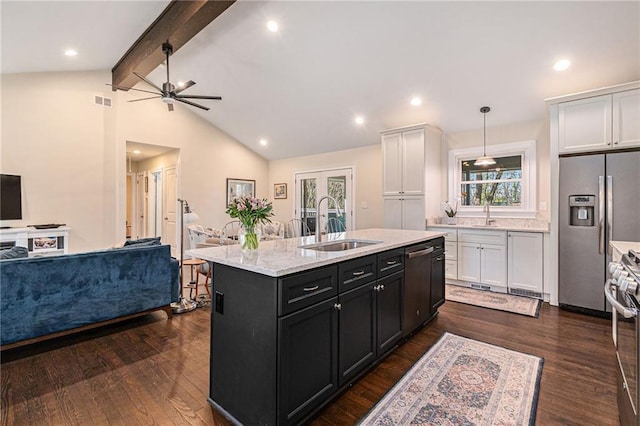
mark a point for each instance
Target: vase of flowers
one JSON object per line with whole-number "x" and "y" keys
{"x": 250, "y": 212}
{"x": 450, "y": 218}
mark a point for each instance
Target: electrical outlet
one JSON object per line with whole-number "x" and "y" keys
{"x": 364, "y": 205}
{"x": 219, "y": 303}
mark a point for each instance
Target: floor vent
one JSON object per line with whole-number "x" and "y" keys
{"x": 527, "y": 293}
{"x": 481, "y": 287}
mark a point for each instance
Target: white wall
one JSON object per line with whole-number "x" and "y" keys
{"x": 72, "y": 154}
{"x": 532, "y": 130}
{"x": 368, "y": 181}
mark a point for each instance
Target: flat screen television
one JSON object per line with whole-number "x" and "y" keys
{"x": 10, "y": 197}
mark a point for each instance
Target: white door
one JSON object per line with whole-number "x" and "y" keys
{"x": 469, "y": 262}
{"x": 413, "y": 162}
{"x": 585, "y": 124}
{"x": 413, "y": 213}
{"x": 392, "y": 212}
{"x": 142, "y": 185}
{"x": 392, "y": 164}
{"x": 525, "y": 262}
{"x": 493, "y": 265}
{"x": 312, "y": 186}
{"x": 170, "y": 179}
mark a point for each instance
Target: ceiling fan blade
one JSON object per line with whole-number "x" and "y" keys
{"x": 149, "y": 82}
{"x": 144, "y": 99}
{"x": 215, "y": 98}
{"x": 170, "y": 106}
{"x": 185, "y": 87}
{"x": 192, "y": 104}
{"x": 131, "y": 88}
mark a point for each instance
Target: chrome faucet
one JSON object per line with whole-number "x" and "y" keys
{"x": 487, "y": 220}
{"x": 326, "y": 197}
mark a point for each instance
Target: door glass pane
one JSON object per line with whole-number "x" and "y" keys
{"x": 308, "y": 196}
{"x": 337, "y": 188}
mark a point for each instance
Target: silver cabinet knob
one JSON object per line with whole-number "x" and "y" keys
{"x": 337, "y": 306}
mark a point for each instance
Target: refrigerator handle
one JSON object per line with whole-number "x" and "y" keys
{"x": 609, "y": 211}
{"x": 601, "y": 214}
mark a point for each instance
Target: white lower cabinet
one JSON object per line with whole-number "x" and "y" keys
{"x": 482, "y": 257}
{"x": 525, "y": 262}
{"x": 403, "y": 212}
{"x": 450, "y": 251}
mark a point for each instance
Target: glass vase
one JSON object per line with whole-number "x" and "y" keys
{"x": 249, "y": 237}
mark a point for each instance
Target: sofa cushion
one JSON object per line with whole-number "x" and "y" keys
{"x": 143, "y": 242}
{"x": 14, "y": 252}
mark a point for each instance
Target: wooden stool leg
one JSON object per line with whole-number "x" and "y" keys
{"x": 208, "y": 280}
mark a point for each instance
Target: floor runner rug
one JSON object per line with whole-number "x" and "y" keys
{"x": 492, "y": 300}
{"x": 461, "y": 381}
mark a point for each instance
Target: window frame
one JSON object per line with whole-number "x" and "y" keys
{"x": 526, "y": 149}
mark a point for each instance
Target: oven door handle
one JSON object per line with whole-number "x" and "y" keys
{"x": 622, "y": 310}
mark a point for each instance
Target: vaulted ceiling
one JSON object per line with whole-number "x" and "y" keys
{"x": 301, "y": 87}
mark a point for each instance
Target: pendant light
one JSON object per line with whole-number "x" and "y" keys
{"x": 485, "y": 160}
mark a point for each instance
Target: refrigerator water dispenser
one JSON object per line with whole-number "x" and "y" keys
{"x": 581, "y": 208}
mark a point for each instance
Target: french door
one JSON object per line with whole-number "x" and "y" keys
{"x": 312, "y": 186}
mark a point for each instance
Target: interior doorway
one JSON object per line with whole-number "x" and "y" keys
{"x": 152, "y": 188}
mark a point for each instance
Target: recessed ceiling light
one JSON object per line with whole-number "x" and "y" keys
{"x": 136, "y": 151}
{"x": 272, "y": 26}
{"x": 263, "y": 142}
{"x": 180, "y": 84}
{"x": 416, "y": 101}
{"x": 70, "y": 52}
{"x": 359, "y": 120}
{"x": 562, "y": 65}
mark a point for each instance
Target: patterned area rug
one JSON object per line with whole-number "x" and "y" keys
{"x": 461, "y": 381}
{"x": 488, "y": 299}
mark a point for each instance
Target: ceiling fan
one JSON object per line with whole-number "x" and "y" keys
{"x": 169, "y": 94}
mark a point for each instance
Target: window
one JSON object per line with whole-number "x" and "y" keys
{"x": 509, "y": 186}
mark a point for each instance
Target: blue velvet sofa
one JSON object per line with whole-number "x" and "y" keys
{"x": 46, "y": 297}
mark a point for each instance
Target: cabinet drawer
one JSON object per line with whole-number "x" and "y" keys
{"x": 307, "y": 288}
{"x": 482, "y": 236}
{"x": 451, "y": 250}
{"x": 353, "y": 273}
{"x": 452, "y": 234}
{"x": 390, "y": 262}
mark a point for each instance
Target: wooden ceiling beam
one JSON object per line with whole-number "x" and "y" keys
{"x": 178, "y": 23}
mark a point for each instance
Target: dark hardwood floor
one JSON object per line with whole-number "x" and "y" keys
{"x": 153, "y": 371}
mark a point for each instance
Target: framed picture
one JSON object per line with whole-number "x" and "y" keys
{"x": 240, "y": 188}
{"x": 280, "y": 190}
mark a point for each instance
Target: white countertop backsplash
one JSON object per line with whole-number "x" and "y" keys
{"x": 500, "y": 224}
{"x": 277, "y": 258}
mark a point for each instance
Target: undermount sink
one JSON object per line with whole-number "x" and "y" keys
{"x": 340, "y": 245}
{"x": 493, "y": 225}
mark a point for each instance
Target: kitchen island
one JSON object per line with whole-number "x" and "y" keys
{"x": 292, "y": 324}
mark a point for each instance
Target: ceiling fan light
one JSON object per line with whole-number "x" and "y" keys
{"x": 485, "y": 160}
{"x": 168, "y": 100}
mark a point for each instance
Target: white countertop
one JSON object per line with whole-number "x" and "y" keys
{"x": 498, "y": 227}
{"x": 622, "y": 247}
{"x": 277, "y": 258}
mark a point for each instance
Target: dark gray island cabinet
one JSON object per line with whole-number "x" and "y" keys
{"x": 283, "y": 346}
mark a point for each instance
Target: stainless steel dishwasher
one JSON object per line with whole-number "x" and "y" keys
{"x": 417, "y": 294}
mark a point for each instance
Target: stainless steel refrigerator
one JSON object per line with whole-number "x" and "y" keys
{"x": 599, "y": 202}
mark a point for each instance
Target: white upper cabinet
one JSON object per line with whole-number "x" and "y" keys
{"x": 599, "y": 123}
{"x": 626, "y": 119}
{"x": 403, "y": 163}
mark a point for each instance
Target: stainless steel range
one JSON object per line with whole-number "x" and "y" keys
{"x": 622, "y": 293}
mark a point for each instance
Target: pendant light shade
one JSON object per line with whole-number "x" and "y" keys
{"x": 485, "y": 160}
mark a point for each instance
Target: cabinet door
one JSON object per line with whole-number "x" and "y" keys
{"x": 357, "y": 331}
{"x": 493, "y": 265}
{"x": 469, "y": 262}
{"x": 585, "y": 124}
{"x": 389, "y": 311}
{"x": 524, "y": 265}
{"x": 308, "y": 362}
{"x": 626, "y": 119}
{"x": 451, "y": 269}
{"x": 413, "y": 163}
{"x": 437, "y": 282}
{"x": 392, "y": 212}
{"x": 413, "y": 214}
{"x": 392, "y": 164}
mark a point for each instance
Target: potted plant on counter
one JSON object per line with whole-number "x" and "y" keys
{"x": 450, "y": 218}
{"x": 250, "y": 212}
